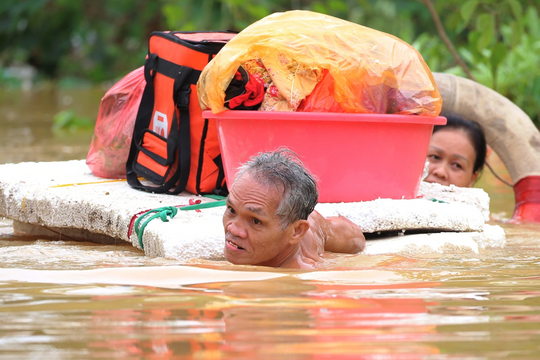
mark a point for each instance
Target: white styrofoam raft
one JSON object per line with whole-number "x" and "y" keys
{"x": 67, "y": 199}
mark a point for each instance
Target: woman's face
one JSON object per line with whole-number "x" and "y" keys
{"x": 451, "y": 158}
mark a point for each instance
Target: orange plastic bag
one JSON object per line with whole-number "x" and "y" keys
{"x": 311, "y": 56}
{"x": 109, "y": 149}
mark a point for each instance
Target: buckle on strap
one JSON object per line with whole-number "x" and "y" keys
{"x": 182, "y": 87}
{"x": 182, "y": 99}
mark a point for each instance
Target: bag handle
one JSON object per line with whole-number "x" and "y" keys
{"x": 181, "y": 94}
{"x": 142, "y": 121}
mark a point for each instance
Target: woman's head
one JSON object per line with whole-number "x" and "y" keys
{"x": 456, "y": 153}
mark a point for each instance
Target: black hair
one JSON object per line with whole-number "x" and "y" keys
{"x": 474, "y": 132}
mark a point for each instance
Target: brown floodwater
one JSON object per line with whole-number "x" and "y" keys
{"x": 74, "y": 300}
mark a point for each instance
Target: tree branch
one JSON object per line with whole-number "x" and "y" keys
{"x": 446, "y": 40}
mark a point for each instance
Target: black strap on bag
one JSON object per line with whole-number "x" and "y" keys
{"x": 179, "y": 136}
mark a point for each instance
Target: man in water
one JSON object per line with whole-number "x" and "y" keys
{"x": 270, "y": 218}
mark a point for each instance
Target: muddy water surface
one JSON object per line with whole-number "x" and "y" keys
{"x": 71, "y": 300}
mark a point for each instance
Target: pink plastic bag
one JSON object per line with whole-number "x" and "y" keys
{"x": 109, "y": 149}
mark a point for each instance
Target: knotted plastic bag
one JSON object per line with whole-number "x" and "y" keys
{"x": 111, "y": 141}
{"x": 321, "y": 63}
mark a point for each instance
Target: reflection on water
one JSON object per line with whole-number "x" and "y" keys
{"x": 421, "y": 306}
{"x": 277, "y": 318}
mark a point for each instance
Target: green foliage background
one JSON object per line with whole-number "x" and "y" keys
{"x": 91, "y": 41}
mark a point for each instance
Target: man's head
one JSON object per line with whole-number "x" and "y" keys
{"x": 284, "y": 170}
{"x": 267, "y": 209}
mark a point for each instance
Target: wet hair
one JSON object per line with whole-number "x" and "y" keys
{"x": 474, "y": 133}
{"x": 283, "y": 168}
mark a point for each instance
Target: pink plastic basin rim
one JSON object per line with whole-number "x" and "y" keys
{"x": 319, "y": 116}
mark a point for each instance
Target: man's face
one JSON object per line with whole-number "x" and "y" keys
{"x": 253, "y": 234}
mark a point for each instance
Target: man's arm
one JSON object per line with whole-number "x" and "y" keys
{"x": 341, "y": 235}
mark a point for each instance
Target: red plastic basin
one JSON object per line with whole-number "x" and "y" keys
{"x": 355, "y": 157}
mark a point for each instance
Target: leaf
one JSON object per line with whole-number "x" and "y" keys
{"x": 485, "y": 20}
{"x": 497, "y": 55}
{"x": 467, "y": 10}
{"x": 466, "y": 55}
{"x": 474, "y": 37}
{"x": 454, "y": 21}
{"x": 62, "y": 119}
{"x": 532, "y": 21}
{"x": 517, "y": 10}
{"x": 486, "y": 27}
{"x": 67, "y": 119}
{"x": 460, "y": 27}
{"x": 517, "y": 32}
{"x": 536, "y": 89}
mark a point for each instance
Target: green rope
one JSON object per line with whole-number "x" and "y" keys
{"x": 215, "y": 197}
{"x": 165, "y": 213}
{"x": 438, "y": 201}
{"x": 206, "y": 205}
{"x": 203, "y": 205}
{"x": 168, "y": 212}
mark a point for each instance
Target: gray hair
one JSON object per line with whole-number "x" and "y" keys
{"x": 283, "y": 168}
